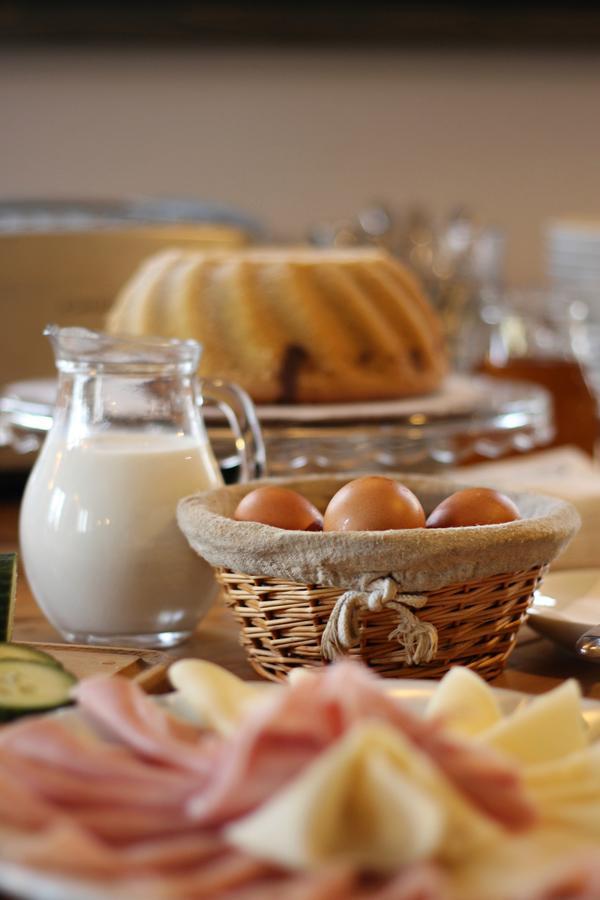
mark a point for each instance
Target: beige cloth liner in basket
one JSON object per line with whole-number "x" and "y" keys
{"x": 374, "y": 570}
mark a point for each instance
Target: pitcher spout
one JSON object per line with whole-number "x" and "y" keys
{"x": 76, "y": 345}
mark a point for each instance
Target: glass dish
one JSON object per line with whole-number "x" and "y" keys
{"x": 468, "y": 420}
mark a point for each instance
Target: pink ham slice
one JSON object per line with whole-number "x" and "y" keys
{"x": 66, "y": 847}
{"x": 220, "y": 877}
{"x": 180, "y": 869}
{"x": 71, "y": 789}
{"x": 62, "y": 847}
{"x": 106, "y": 789}
{"x": 418, "y": 882}
{"x": 20, "y": 806}
{"x": 124, "y": 826}
{"x": 48, "y": 741}
{"x": 422, "y": 881}
{"x": 338, "y": 883}
{"x": 174, "y": 853}
{"x": 235, "y": 877}
{"x": 136, "y": 720}
{"x": 580, "y": 880}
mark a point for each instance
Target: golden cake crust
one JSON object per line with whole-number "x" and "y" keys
{"x": 292, "y": 325}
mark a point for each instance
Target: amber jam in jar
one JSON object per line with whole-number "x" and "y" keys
{"x": 575, "y": 412}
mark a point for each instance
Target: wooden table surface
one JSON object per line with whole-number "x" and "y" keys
{"x": 536, "y": 665}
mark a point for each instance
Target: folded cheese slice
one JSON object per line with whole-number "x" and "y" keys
{"x": 218, "y": 699}
{"x": 566, "y": 791}
{"x": 464, "y": 702}
{"x": 549, "y": 727}
{"x": 372, "y": 800}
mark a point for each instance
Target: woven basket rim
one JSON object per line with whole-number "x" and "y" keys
{"x": 417, "y": 559}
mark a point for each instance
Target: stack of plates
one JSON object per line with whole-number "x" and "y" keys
{"x": 573, "y": 249}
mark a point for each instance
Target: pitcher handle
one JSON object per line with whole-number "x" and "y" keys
{"x": 239, "y": 410}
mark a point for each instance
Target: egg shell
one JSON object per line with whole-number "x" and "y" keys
{"x": 373, "y": 503}
{"x": 280, "y": 507}
{"x": 473, "y": 506}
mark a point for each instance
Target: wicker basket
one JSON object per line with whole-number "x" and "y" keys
{"x": 475, "y": 601}
{"x": 282, "y": 624}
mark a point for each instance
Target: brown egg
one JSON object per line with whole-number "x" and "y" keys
{"x": 373, "y": 503}
{"x": 278, "y": 506}
{"x": 473, "y": 506}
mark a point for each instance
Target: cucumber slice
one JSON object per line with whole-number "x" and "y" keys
{"x": 29, "y": 687}
{"x": 8, "y": 590}
{"x": 24, "y": 651}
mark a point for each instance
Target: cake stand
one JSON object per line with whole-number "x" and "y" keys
{"x": 469, "y": 419}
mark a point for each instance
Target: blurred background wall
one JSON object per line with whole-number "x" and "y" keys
{"x": 301, "y": 134}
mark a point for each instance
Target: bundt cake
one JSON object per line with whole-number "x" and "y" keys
{"x": 292, "y": 325}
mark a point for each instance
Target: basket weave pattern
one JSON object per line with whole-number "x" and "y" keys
{"x": 282, "y": 624}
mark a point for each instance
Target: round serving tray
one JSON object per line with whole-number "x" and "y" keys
{"x": 470, "y": 418}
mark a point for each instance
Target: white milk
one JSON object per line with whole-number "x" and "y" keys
{"x": 100, "y": 542}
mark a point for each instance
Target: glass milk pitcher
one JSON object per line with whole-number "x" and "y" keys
{"x": 99, "y": 538}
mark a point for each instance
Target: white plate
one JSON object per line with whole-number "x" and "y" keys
{"x": 20, "y": 882}
{"x": 413, "y": 692}
{"x": 567, "y": 604}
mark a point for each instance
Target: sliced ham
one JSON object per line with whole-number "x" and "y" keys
{"x": 177, "y": 853}
{"x": 276, "y": 741}
{"x": 143, "y": 817}
{"x": 66, "y": 847}
{"x": 489, "y": 781}
{"x": 72, "y": 790}
{"x": 136, "y": 720}
{"x": 62, "y": 847}
{"x": 580, "y": 880}
{"x": 49, "y": 742}
{"x": 124, "y": 826}
{"x": 20, "y": 806}
{"x": 422, "y": 881}
{"x": 338, "y": 883}
{"x": 224, "y": 876}
{"x": 419, "y": 882}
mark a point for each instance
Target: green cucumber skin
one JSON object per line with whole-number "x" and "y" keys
{"x": 9, "y": 650}
{"x": 40, "y": 672}
{"x": 8, "y": 587}
{"x": 11, "y": 715}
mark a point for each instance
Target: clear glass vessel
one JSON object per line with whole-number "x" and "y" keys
{"x": 99, "y": 537}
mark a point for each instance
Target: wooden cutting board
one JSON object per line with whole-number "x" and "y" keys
{"x": 147, "y": 667}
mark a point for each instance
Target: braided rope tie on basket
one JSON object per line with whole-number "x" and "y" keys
{"x": 419, "y": 639}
